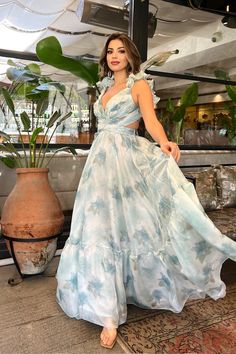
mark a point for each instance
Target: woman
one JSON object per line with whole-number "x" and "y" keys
{"x": 139, "y": 234}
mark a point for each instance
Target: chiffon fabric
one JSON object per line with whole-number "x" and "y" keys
{"x": 139, "y": 234}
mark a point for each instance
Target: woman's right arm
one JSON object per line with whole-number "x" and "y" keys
{"x": 143, "y": 96}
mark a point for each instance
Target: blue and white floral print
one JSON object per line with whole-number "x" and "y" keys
{"x": 139, "y": 234}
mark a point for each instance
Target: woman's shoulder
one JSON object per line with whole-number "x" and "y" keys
{"x": 140, "y": 82}
{"x": 140, "y": 77}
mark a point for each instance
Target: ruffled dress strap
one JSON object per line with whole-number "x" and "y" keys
{"x": 141, "y": 75}
{"x": 105, "y": 83}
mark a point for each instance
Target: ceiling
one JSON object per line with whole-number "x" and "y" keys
{"x": 24, "y": 22}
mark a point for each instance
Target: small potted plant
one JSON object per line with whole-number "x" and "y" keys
{"x": 32, "y": 216}
{"x": 177, "y": 114}
{"x": 229, "y": 122}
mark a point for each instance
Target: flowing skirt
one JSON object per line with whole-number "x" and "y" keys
{"x": 139, "y": 235}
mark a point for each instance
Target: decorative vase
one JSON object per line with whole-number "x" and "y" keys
{"x": 32, "y": 218}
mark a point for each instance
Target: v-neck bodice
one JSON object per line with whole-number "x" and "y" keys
{"x": 116, "y": 94}
{"x": 120, "y": 110}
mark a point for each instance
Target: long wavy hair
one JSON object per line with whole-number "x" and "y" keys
{"x": 132, "y": 52}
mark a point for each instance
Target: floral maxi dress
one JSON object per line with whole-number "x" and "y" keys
{"x": 139, "y": 234}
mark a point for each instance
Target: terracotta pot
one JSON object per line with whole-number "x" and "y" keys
{"x": 32, "y": 212}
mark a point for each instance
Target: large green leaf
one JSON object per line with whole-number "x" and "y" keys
{"x": 36, "y": 95}
{"x": 179, "y": 114}
{"x": 190, "y": 95}
{"x": 25, "y": 121}
{"x": 42, "y": 105}
{"x": 9, "y": 161}
{"x": 8, "y": 100}
{"x": 231, "y": 90}
{"x": 22, "y": 89}
{"x": 35, "y": 134}
{"x": 34, "y": 68}
{"x": 49, "y": 51}
{"x": 42, "y": 102}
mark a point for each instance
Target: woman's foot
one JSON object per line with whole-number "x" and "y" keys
{"x": 108, "y": 337}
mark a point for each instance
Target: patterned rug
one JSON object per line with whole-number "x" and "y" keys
{"x": 203, "y": 327}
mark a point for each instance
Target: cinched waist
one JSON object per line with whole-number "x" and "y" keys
{"x": 115, "y": 129}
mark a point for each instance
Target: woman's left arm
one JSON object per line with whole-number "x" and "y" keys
{"x": 143, "y": 96}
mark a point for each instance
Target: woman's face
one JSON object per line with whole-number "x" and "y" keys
{"x": 116, "y": 56}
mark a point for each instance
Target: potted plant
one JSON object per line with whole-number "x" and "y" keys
{"x": 31, "y": 217}
{"x": 177, "y": 114}
{"x": 229, "y": 122}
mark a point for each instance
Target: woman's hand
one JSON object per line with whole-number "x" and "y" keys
{"x": 171, "y": 148}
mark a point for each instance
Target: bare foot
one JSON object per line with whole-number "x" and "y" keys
{"x": 108, "y": 336}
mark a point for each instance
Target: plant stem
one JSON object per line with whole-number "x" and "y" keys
{"x": 51, "y": 158}
{"x": 41, "y": 147}
{"x": 46, "y": 148}
{"x": 21, "y": 140}
{"x": 33, "y": 154}
{"x": 30, "y": 150}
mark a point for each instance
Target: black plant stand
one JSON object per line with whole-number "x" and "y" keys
{"x": 16, "y": 281}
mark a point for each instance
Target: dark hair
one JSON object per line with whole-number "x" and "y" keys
{"x": 132, "y": 55}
